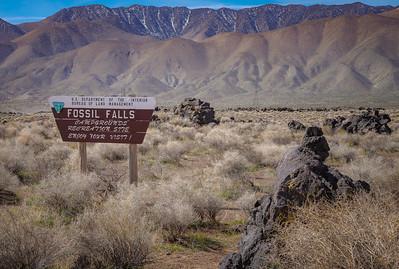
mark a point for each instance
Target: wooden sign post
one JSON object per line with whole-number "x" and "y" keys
{"x": 133, "y": 169}
{"x": 103, "y": 119}
{"x": 83, "y": 157}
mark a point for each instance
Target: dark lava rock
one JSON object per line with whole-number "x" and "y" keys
{"x": 296, "y": 126}
{"x": 369, "y": 121}
{"x": 8, "y": 198}
{"x": 196, "y": 110}
{"x": 334, "y": 123}
{"x": 155, "y": 118}
{"x": 302, "y": 177}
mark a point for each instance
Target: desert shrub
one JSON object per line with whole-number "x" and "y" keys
{"x": 373, "y": 143}
{"x": 366, "y": 168}
{"x": 247, "y": 201}
{"x": 350, "y": 139}
{"x": 179, "y": 121}
{"x": 2, "y": 132}
{"x": 95, "y": 163}
{"x": 172, "y": 205}
{"x": 33, "y": 138}
{"x": 115, "y": 236}
{"x": 7, "y": 180}
{"x": 270, "y": 153}
{"x": 206, "y": 204}
{"x": 173, "y": 210}
{"x": 232, "y": 165}
{"x": 277, "y": 134}
{"x": 362, "y": 233}
{"x": 10, "y": 132}
{"x": 181, "y": 133}
{"x": 111, "y": 152}
{"x": 20, "y": 162}
{"x": 25, "y": 243}
{"x": 173, "y": 151}
{"x": 153, "y": 138}
{"x": 379, "y": 171}
{"x": 232, "y": 189}
{"x": 222, "y": 139}
{"x": 342, "y": 152}
{"x": 52, "y": 160}
{"x": 174, "y": 217}
{"x": 69, "y": 193}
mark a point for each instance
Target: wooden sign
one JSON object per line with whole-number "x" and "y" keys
{"x": 102, "y": 119}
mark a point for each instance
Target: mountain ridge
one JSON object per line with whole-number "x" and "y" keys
{"x": 331, "y": 61}
{"x": 200, "y": 23}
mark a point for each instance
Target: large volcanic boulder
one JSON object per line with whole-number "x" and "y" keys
{"x": 369, "y": 121}
{"x": 302, "y": 177}
{"x": 196, "y": 110}
{"x": 295, "y": 125}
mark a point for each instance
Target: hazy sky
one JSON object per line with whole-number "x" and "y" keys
{"x": 17, "y": 11}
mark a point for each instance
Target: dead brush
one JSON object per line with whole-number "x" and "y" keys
{"x": 358, "y": 234}
{"x": 70, "y": 193}
{"x": 25, "y": 243}
{"x": 232, "y": 165}
{"x": 114, "y": 236}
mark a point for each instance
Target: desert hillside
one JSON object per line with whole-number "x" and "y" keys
{"x": 347, "y": 60}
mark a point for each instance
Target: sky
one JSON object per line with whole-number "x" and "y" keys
{"x": 19, "y": 11}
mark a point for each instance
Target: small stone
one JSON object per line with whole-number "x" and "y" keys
{"x": 296, "y": 126}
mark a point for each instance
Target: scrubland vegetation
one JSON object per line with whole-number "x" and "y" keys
{"x": 197, "y": 186}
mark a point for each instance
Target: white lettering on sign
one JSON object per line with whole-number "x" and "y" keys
{"x": 119, "y": 114}
{"x": 82, "y": 113}
{"x": 104, "y": 102}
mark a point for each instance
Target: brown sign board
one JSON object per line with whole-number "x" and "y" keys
{"x": 102, "y": 119}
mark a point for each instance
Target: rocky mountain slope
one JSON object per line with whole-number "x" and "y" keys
{"x": 168, "y": 22}
{"x": 9, "y": 31}
{"x": 348, "y": 60}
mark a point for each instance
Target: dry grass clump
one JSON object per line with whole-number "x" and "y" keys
{"x": 342, "y": 153}
{"x": 20, "y": 161}
{"x": 8, "y": 181}
{"x": 26, "y": 243}
{"x": 270, "y": 153}
{"x": 35, "y": 138}
{"x": 174, "y": 217}
{"x": 70, "y": 193}
{"x": 179, "y": 121}
{"x": 232, "y": 165}
{"x": 378, "y": 170}
{"x": 222, "y": 139}
{"x": 153, "y": 138}
{"x": 247, "y": 201}
{"x": 111, "y": 152}
{"x": 173, "y": 151}
{"x": 174, "y": 205}
{"x": 183, "y": 133}
{"x": 373, "y": 143}
{"x": 115, "y": 236}
{"x": 52, "y": 160}
{"x": 280, "y": 135}
{"x": 206, "y": 205}
{"x": 358, "y": 234}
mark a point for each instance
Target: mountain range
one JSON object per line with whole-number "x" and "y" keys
{"x": 267, "y": 55}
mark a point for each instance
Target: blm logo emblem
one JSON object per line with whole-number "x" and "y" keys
{"x": 58, "y": 106}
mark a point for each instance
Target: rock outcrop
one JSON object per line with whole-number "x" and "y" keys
{"x": 302, "y": 177}
{"x": 170, "y": 22}
{"x": 369, "y": 121}
{"x": 296, "y": 126}
{"x": 196, "y": 110}
{"x": 8, "y": 197}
